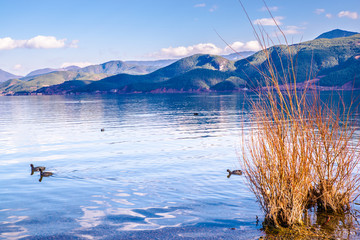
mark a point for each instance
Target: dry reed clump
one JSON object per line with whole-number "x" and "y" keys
{"x": 301, "y": 152}
{"x": 278, "y": 166}
{"x": 335, "y": 157}
{"x": 299, "y": 156}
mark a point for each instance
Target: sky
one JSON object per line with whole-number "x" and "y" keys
{"x": 37, "y": 34}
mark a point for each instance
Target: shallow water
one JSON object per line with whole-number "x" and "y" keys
{"x": 157, "y": 171}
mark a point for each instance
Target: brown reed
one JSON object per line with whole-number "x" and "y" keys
{"x": 301, "y": 151}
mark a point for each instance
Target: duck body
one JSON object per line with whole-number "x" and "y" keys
{"x": 36, "y": 169}
{"x": 235, "y": 172}
{"x": 45, "y": 174}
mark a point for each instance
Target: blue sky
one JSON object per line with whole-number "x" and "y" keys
{"x": 37, "y": 34}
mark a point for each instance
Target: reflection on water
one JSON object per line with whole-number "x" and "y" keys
{"x": 156, "y": 171}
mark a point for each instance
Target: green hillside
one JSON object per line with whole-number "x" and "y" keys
{"x": 7, "y": 85}
{"x": 127, "y": 67}
{"x": 47, "y": 80}
{"x": 197, "y": 79}
{"x": 346, "y": 72}
{"x": 198, "y": 61}
{"x": 116, "y": 67}
{"x": 64, "y": 87}
{"x": 310, "y": 58}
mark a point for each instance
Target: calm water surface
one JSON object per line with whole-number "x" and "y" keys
{"x": 156, "y": 172}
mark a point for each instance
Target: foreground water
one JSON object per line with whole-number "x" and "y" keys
{"x": 157, "y": 171}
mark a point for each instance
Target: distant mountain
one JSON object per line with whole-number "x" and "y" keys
{"x": 48, "y": 70}
{"x": 202, "y": 61}
{"x": 128, "y": 67}
{"x": 72, "y": 68}
{"x": 336, "y": 33}
{"x": 216, "y": 66}
{"x": 47, "y": 77}
{"x": 39, "y": 81}
{"x": 109, "y": 68}
{"x": 6, "y": 76}
{"x": 41, "y": 72}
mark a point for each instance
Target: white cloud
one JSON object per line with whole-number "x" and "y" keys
{"x": 190, "y": 50}
{"x": 204, "y": 48}
{"x": 348, "y": 14}
{"x": 269, "y": 21}
{"x": 17, "y": 67}
{"x": 200, "y": 5}
{"x": 289, "y": 30}
{"x": 37, "y": 42}
{"x": 271, "y": 9}
{"x": 44, "y": 42}
{"x": 240, "y": 46}
{"x": 328, "y": 15}
{"x": 73, "y": 44}
{"x": 7, "y": 43}
{"x": 79, "y": 64}
{"x": 319, "y": 11}
{"x": 213, "y": 8}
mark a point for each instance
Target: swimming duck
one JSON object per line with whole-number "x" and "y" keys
{"x": 45, "y": 174}
{"x": 235, "y": 172}
{"x": 36, "y": 169}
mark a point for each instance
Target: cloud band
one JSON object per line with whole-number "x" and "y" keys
{"x": 205, "y": 48}
{"x": 38, "y": 42}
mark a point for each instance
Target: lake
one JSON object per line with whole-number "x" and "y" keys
{"x": 137, "y": 166}
{"x": 157, "y": 171}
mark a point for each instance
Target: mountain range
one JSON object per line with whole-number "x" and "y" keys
{"x": 6, "y": 75}
{"x": 332, "y": 59}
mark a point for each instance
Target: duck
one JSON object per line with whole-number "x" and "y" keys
{"x": 235, "y": 172}
{"x": 36, "y": 169}
{"x": 45, "y": 174}
{"x": 102, "y": 130}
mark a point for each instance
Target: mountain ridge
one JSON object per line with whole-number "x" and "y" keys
{"x": 336, "y": 59}
{"x": 4, "y": 76}
{"x": 336, "y": 33}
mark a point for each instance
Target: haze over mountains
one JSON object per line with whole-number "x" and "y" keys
{"x": 333, "y": 56}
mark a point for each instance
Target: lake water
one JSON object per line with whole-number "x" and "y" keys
{"x": 157, "y": 171}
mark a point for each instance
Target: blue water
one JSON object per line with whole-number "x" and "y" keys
{"x": 157, "y": 171}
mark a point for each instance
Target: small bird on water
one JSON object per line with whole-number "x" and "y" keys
{"x": 36, "y": 169}
{"x": 235, "y": 172}
{"x": 45, "y": 174}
